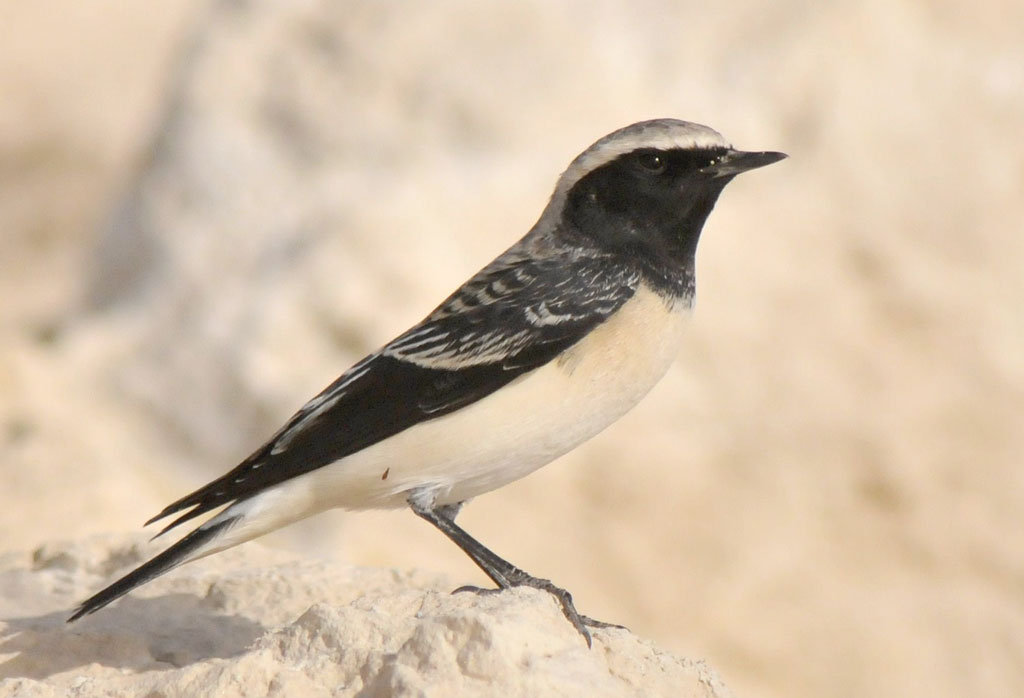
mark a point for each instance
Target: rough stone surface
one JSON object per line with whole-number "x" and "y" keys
{"x": 253, "y": 622}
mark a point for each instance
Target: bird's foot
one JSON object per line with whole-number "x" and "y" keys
{"x": 475, "y": 590}
{"x": 521, "y": 579}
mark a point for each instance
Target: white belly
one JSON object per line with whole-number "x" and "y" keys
{"x": 512, "y": 432}
{"x": 522, "y": 426}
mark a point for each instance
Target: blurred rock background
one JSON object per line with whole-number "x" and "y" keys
{"x": 208, "y": 209}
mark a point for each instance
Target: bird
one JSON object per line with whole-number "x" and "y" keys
{"x": 544, "y": 347}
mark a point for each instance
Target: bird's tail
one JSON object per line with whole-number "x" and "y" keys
{"x": 242, "y": 521}
{"x": 195, "y": 544}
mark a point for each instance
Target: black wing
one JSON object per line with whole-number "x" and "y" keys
{"x": 515, "y": 315}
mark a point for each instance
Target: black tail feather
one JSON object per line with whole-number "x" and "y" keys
{"x": 223, "y": 490}
{"x": 187, "y": 516}
{"x": 164, "y": 562}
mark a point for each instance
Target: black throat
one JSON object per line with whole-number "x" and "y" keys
{"x": 650, "y": 223}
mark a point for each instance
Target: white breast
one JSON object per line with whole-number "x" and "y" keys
{"x": 512, "y": 432}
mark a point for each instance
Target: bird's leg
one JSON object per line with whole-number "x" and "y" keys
{"x": 504, "y": 573}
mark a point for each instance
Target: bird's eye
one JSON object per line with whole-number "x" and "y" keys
{"x": 652, "y": 162}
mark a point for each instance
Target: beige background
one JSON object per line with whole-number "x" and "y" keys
{"x": 824, "y": 496}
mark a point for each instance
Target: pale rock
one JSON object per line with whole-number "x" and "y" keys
{"x": 254, "y": 621}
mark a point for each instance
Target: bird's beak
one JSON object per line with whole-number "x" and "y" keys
{"x": 737, "y": 161}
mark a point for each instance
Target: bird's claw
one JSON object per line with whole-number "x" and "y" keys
{"x": 580, "y": 622}
{"x": 475, "y": 590}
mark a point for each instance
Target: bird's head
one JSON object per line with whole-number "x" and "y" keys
{"x": 647, "y": 189}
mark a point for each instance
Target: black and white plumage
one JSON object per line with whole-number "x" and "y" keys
{"x": 540, "y": 350}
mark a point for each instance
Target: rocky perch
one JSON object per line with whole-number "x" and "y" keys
{"x": 256, "y": 622}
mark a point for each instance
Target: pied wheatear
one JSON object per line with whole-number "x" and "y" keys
{"x": 539, "y": 351}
